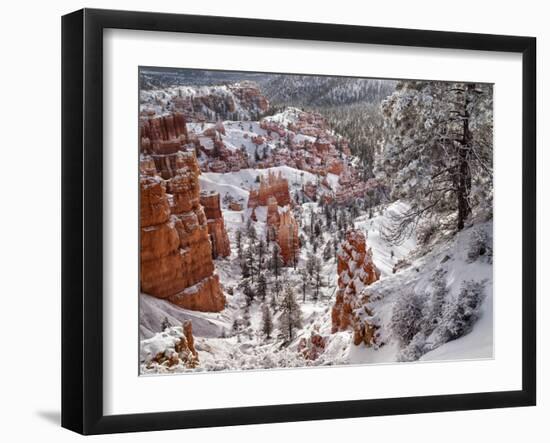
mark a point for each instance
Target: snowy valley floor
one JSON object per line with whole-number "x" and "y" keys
{"x": 220, "y": 348}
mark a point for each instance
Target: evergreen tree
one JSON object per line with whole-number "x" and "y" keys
{"x": 439, "y": 294}
{"x": 291, "y": 315}
{"x": 248, "y": 292}
{"x": 165, "y": 324}
{"x": 276, "y": 289}
{"x": 310, "y": 264}
{"x": 304, "y": 281}
{"x": 438, "y": 154}
{"x": 267, "y": 321}
{"x": 261, "y": 287}
{"x": 318, "y": 278}
{"x": 276, "y": 261}
{"x": 251, "y": 230}
{"x": 245, "y": 268}
{"x": 235, "y": 328}
{"x": 261, "y": 250}
{"x": 239, "y": 241}
{"x": 328, "y": 252}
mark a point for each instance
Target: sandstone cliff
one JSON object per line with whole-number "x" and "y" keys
{"x": 356, "y": 270}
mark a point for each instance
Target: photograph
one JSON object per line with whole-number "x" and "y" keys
{"x": 294, "y": 220}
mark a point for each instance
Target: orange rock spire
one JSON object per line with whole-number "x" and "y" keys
{"x": 356, "y": 270}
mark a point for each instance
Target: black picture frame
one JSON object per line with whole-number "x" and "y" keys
{"x": 82, "y": 219}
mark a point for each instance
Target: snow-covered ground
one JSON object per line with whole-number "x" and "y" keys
{"x": 220, "y": 347}
{"x": 238, "y": 184}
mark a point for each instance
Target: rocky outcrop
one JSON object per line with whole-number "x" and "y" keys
{"x": 163, "y": 134}
{"x": 356, "y": 270}
{"x": 250, "y": 96}
{"x": 311, "y": 348}
{"x": 173, "y": 347}
{"x": 176, "y": 253}
{"x": 235, "y": 206}
{"x": 216, "y": 227}
{"x": 272, "y": 185}
{"x": 272, "y": 218}
{"x": 287, "y": 237}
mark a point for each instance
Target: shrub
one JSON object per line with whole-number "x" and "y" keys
{"x": 414, "y": 350}
{"x": 407, "y": 317}
{"x": 460, "y": 314}
{"x": 479, "y": 245}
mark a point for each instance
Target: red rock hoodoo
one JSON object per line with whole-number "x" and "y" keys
{"x": 287, "y": 237}
{"x": 216, "y": 226}
{"x": 274, "y": 185}
{"x": 356, "y": 270}
{"x": 176, "y": 253}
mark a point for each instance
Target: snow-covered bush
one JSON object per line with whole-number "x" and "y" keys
{"x": 460, "y": 313}
{"x": 415, "y": 349}
{"x": 407, "y": 317}
{"x": 479, "y": 244}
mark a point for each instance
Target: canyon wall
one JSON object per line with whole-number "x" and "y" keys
{"x": 356, "y": 270}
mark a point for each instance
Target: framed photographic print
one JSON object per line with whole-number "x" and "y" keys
{"x": 271, "y": 221}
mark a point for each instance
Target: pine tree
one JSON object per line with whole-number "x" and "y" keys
{"x": 238, "y": 240}
{"x": 276, "y": 261}
{"x": 249, "y": 262}
{"x": 304, "y": 281}
{"x": 248, "y": 292}
{"x": 235, "y": 328}
{"x": 328, "y": 252}
{"x": 246, "y": 317}
{"x": 318, "y": 278}
{"x": 261, "y": 287}
{"x": 245, "y": 268}
{"x": 251, "y": 230}
{"x": 165, "y": 324}
{"x": 438, "y": 153}
{"x": 439, "y": 294}
{"x": 267, "y": 321}
{"x": 310, "y": 263}
{"x": 261, "y": 250}
{"x": 276, "y": 289}
{"x": 291, "y": 315}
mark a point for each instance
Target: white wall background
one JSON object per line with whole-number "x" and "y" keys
{"x": 30, "y": 218}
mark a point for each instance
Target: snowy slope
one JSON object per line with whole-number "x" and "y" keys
{"x": 238, "y": 184}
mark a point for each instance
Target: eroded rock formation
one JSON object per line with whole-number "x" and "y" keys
{"x": 163, "y": 134}
{"x": 271, "y": 185}
{"x": 176, "y": 253}
{"x": 176, "y": 348}
{"x": 287, "y": 237}
{"x": 311, "y": 348}
{"x": 216, "y": 227}
{"x": 356, "y": 270}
